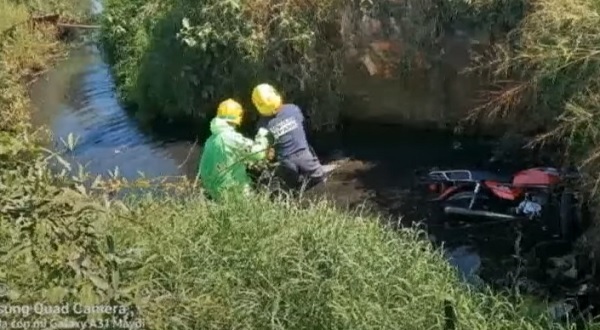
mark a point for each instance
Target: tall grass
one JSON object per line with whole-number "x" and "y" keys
{"x": 26, "y": 51}
{"x": 68, "y": 9}
{"x": 182, "y": 262}
{"x": 256, "y": 264}
{"x": 548, "y": 72}
{"x": 23, "y": 51}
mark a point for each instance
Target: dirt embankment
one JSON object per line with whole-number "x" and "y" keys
{"x": 404, "y": 68}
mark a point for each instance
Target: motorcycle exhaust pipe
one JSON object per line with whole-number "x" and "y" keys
{"x": 463, "y": 211}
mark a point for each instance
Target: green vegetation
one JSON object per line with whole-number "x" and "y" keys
{"x": 70, "y": 9}
{"x": 549, "y": 70}
{"x": 180, "y": 261}
{"x": 175, "y": 260}
{"x": 180, "y": 58}
{"x": 23, "y": 52}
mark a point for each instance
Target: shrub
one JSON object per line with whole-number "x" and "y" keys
{"x": 179, "y": 59}
{"x": 182, "y": 58}
{"x": 551, "y": 61}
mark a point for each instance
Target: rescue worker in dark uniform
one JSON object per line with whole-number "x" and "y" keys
{"x": 285, "y": 124}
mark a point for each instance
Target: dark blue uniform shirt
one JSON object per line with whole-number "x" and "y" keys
{"x": 287, "y": 130}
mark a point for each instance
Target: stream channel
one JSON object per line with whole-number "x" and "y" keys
{"x": 78, "y": 96}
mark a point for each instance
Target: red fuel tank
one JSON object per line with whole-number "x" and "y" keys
{"x": 537, "y": 176}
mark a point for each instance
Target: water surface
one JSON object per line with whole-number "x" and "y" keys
{"x": 78, "y": 97}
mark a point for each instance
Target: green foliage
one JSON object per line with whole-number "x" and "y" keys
{"x": 182, "y": 58}
{"x": 182, "y": 261}
{"x": 66, "y": 8}
{"x": 553, "y": 63}
{"x": 51, "y": 247}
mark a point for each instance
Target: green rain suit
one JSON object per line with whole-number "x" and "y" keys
{"x": 225, "y": 156}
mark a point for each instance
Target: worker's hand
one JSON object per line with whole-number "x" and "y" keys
{"x": 270, "y": 154}
{"x": 262, "y": 133}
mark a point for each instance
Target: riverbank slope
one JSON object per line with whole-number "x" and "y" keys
{"x": 487, "y": 66}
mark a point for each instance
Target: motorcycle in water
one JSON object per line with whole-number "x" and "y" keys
{"x": 541, "y": 194}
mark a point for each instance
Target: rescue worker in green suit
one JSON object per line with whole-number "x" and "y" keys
{"x": 227, "y": 152}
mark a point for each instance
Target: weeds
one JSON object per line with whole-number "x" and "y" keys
{"x": 23, "y": 52}
{"x": 180, "y": 260}
{"x": 247, "y": 263}
{"x": 551, "y": 62}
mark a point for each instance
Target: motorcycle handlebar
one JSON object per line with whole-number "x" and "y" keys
{"x": 570, "y": 172}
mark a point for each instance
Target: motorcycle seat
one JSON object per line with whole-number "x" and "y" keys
{"x": 491, "y": 176}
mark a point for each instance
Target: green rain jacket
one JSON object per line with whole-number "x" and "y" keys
{"x": 225, "y": 156}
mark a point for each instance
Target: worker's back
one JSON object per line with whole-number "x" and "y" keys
{"x": 287, "y": 129}
{"x": 220, "y": 165}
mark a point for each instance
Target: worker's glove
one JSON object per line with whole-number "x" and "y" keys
{"x": 262, "y": 137}
{"x": 270, "y": 154}
{"x": 262, "y": 133}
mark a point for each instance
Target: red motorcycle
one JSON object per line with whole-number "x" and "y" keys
{"x": 537, "y": 194}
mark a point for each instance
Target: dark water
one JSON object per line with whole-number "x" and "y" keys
{"x": 78, "y": 97}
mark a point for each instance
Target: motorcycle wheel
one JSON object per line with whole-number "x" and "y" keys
{"x": 569, "y": 219}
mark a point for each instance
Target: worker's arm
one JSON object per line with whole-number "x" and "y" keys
{"x": 246, "y": 148}
{"x": 262, "y": 126}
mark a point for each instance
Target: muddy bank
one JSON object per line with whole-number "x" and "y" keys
{"x": 411, "y": 62}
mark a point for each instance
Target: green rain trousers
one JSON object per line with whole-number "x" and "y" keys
{"x": 224, "y": 158}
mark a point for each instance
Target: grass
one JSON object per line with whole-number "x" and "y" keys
{"x": 23, "y": 52}
{"x": 547, "y": 73}
{"x": 183, "y": 262}
{"x": 178, "y": 261}
{"x": 248, "y": 264}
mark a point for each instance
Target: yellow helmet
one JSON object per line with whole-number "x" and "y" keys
{"x": 231, "y": 111}
{"x": 266, "y": 99}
